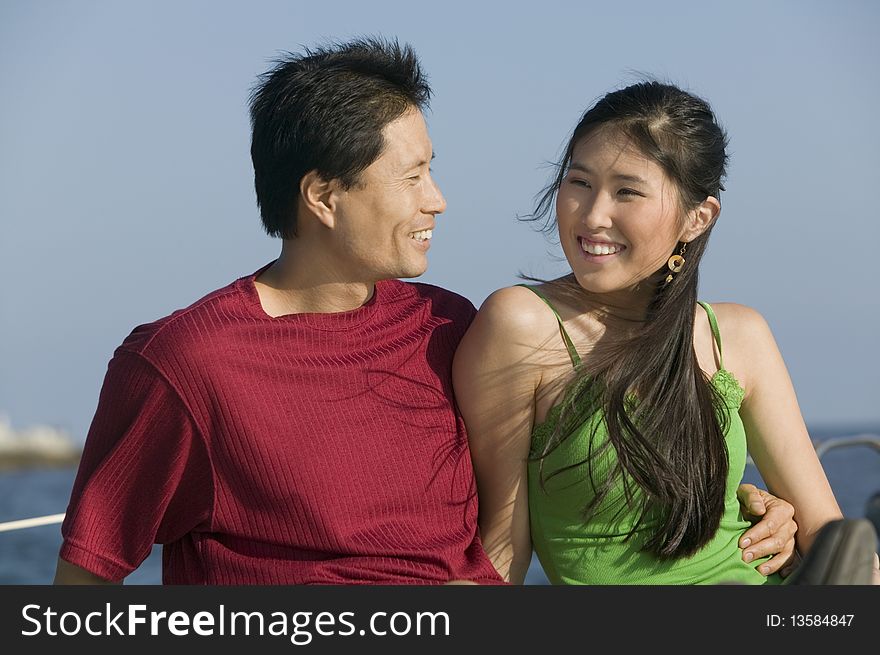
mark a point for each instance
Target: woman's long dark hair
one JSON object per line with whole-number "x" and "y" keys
{"x": 670, "y": 442}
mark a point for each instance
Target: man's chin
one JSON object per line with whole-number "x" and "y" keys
{"x": 409, "y": 272}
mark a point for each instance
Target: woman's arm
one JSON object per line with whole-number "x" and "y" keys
{"x": 777, "y": 436}
{"x": 495, "y": 378}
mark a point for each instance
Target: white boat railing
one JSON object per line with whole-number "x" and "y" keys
{"x": 870, "y": 440}
{"x": 8, "y": 526}
{"x": 822, "y": 447}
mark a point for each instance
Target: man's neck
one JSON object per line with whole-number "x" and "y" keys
{"x": 296, "y": 284}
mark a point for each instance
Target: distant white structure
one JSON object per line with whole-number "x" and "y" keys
{"x": 40, "y": 445}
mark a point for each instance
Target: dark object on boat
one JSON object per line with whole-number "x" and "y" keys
{"x": 842, "y": 554}
{"x": 872, "y": 511}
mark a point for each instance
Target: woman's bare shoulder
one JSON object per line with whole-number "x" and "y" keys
{"x": 514, "y": 326}
{"x": 738, "y": 322}
{"x": 518, "y": 311}
{"x": 746, "y": 338}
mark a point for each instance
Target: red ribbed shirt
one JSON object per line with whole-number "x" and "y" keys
{"x": 307, "y": 448}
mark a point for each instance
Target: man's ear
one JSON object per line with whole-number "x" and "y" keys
{"x": 319, "y": 197}
{"x": 700, "y": 219}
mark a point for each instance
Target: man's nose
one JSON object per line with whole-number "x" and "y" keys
{"x": 435, "y": 203}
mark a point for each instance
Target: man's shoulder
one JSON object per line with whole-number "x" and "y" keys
{"x": 442, "y": 301}
{"x": 201, "y": 322}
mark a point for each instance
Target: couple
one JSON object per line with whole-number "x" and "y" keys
{"x": 298, "y": 425}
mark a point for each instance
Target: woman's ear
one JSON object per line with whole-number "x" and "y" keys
{"x": 701, "y": 218}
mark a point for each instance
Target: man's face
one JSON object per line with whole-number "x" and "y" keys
{"x": 385, "y": 222}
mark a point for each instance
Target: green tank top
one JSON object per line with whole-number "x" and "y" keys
{"x": 574, "y": 552}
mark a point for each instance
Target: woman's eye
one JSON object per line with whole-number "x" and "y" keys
{"x": 629, "y": 192}
{"x": 577, "y": 182}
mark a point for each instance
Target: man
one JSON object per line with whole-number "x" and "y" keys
{"x": 298, "y": 426}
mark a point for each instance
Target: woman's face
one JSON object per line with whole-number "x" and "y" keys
{"x": 618, "y": 214}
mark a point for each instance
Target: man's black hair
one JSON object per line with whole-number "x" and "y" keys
{"x": 325, "y": 110}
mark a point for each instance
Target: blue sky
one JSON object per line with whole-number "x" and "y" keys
{"x": 126, "y": 185}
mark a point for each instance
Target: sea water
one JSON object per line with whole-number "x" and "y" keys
{"x": 29, "y": 556}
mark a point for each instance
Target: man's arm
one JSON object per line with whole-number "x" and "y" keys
{"x": 144, "y": 476}
{"x": 71, "y": 574}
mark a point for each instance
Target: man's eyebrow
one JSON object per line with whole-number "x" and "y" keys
{"x": 619, "y": 176}
{"x": 420, "y": 163}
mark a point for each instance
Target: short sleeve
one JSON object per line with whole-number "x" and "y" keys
{"x": 145, "y": 476}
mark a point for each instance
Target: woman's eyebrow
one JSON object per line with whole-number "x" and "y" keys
{"x": 618, "y": 176}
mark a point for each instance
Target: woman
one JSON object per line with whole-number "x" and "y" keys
{"x": 608, "y": 426}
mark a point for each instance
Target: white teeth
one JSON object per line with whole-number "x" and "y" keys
{"x": 423, "y": 235}
{"x": 599, "y": 249}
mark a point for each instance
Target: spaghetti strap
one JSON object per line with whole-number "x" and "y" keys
{"x": 713, "y": 323}
{"x": 572, "y": 351}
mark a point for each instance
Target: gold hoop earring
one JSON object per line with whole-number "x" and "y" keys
{"x": 676, "y": 263}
